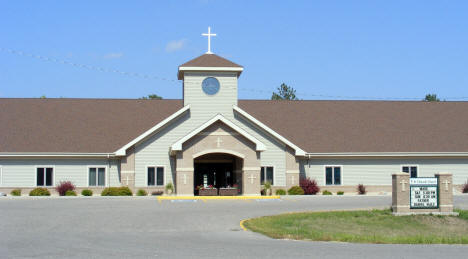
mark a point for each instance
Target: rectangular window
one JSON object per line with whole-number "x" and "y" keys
{"x": 155, "y": 176}
{"x": 412, "y": 170}
{"x": 44, "y": 176}
{"x": 97, "y": 176}
{"x": 333, "y": 175}
{"x": 266, "y": 174}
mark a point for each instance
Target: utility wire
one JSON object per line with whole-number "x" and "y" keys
{"x": 95, "y": 68}
{"x": 152, "y": 77}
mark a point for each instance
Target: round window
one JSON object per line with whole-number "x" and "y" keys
{"x": 210, "y": 85}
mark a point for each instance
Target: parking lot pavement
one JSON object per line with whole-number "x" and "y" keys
{"x": 134, "y": 227}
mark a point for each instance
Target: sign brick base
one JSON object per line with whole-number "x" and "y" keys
{"x": 424, "y": 195}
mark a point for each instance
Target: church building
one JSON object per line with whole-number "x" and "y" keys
{"x": 211, "y": 138}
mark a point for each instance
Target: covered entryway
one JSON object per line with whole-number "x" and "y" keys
{"x": 219, "y": 171}
{"x": 220, "y": 154}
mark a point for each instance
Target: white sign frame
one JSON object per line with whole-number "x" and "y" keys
{"x": 424, "y": 182}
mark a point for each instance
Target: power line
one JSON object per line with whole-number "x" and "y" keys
{"x": 95, "y": 68}
{"x": 152, "y": 77}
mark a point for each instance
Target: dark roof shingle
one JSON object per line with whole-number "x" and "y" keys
{"x": 209, "y": 60}
{"x": 105, "y": 125}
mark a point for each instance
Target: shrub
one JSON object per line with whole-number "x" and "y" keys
{"x": 70, "y": 193}
{"x": 141, "y": 192}
{"x": 39, "y": 192}
{"x": 267, "y": 187}
{"x": 16, "y": 192}
{"x": 65, "y": 186}
{"x": 465, "y": 188}
{"x": 280, "y": 192}
{"x": 310, "y": 187}
{"x": 361, "y": 189}
{"x": 116, "y": 191}
{"x": 157, "y": 193}
{"x": 87, "y": 192}
{"x": 169, "y": 187}
{"x": 340, "y": 193}
{"x": 326, "y": 193}
{"x": 295, "y": 190}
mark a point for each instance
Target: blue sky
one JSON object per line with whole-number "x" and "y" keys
{"x": 324, "y": 49}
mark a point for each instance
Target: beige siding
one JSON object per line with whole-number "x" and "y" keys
{"x": 155, "y": 150}
{"x": 22, "y": 172}
{"x": 379, "y": 171}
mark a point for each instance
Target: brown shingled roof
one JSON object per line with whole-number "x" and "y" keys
{"x": 104, "y": 125}
{"x": 209, "y": 60}
{"x": 77, "y": 125}
{"x": 366, "y": 126}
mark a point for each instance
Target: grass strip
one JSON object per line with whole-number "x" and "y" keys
{"x": 373, "y": 226}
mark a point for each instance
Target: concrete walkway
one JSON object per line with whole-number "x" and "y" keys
{"x": 134, "y": 227}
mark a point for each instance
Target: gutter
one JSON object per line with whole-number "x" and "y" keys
{"x": 387, "y": 154}
{"x": 56, "y": 154}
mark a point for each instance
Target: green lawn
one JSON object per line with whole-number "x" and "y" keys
{"x": 376, "y": 226}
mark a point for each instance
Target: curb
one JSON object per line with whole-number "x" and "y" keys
{"x": 219, "y": 198}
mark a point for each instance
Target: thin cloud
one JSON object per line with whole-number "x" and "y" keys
{"x": 113, "y": 55}
{"x": 176, "y": 45}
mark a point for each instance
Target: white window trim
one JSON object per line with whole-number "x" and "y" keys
{"x": 53, "y": 175}
{"x": 274, "y": 174}
{"x": 410, "y": 165}
{"x": 1, "y": 175}
{"x": 333, "y": 175}
{"x": 105, "y": 175}
{"x": 155, "y": 177}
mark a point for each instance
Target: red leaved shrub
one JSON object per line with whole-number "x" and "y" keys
{"x": 465, "y": 188}
{"x": 361, "y": 189}
{"x": 310, "y": 187}
{"x": 64, "y": 186}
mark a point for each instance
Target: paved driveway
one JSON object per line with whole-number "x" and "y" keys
{"x": 143, "y": 228}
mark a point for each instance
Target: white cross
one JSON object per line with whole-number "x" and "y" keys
{"x": 218, "y": 142}
{"x": 251, "y": 177}
{"x": 403, "y": 182}
{"x": 209, "y": 35}
{"x": 446, "y": 184}
{"x": 185, "y": 178}
{"x": 292, "y": 179}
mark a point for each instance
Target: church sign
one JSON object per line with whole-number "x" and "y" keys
{"x": 424, "y": 193}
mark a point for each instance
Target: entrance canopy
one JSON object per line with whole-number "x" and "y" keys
{"x": 177, "y": 146}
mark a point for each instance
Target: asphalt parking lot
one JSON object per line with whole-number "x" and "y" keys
{"x": 134, "y": 227}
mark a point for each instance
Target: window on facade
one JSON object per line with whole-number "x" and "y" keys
{"x": 266, "y": 174}
{"x": 44, "y": 176}
{"x": 155, "y": 176}
{"x": 97, "y": 176}
{"x": 412, "y": 170}
{"x": 333, "y": 175}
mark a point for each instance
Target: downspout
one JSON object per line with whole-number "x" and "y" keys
{"x": 108, "y": 170}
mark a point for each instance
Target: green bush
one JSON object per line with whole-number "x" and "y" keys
{"x": 70, "y": 193}
{"x": 169, "y": 188}
{"x": 39, "y": 192}
{"x": 141, "y": 192}
{"x": 16, "y": 192}
{"x": 87, "y": 192}
{"x": 280, "y": 192}
{"x": 116, "y": 191}
{"x": 340, "y": 193}
{"x": 326, "y": 193}
{"x": 296, "y": 190}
